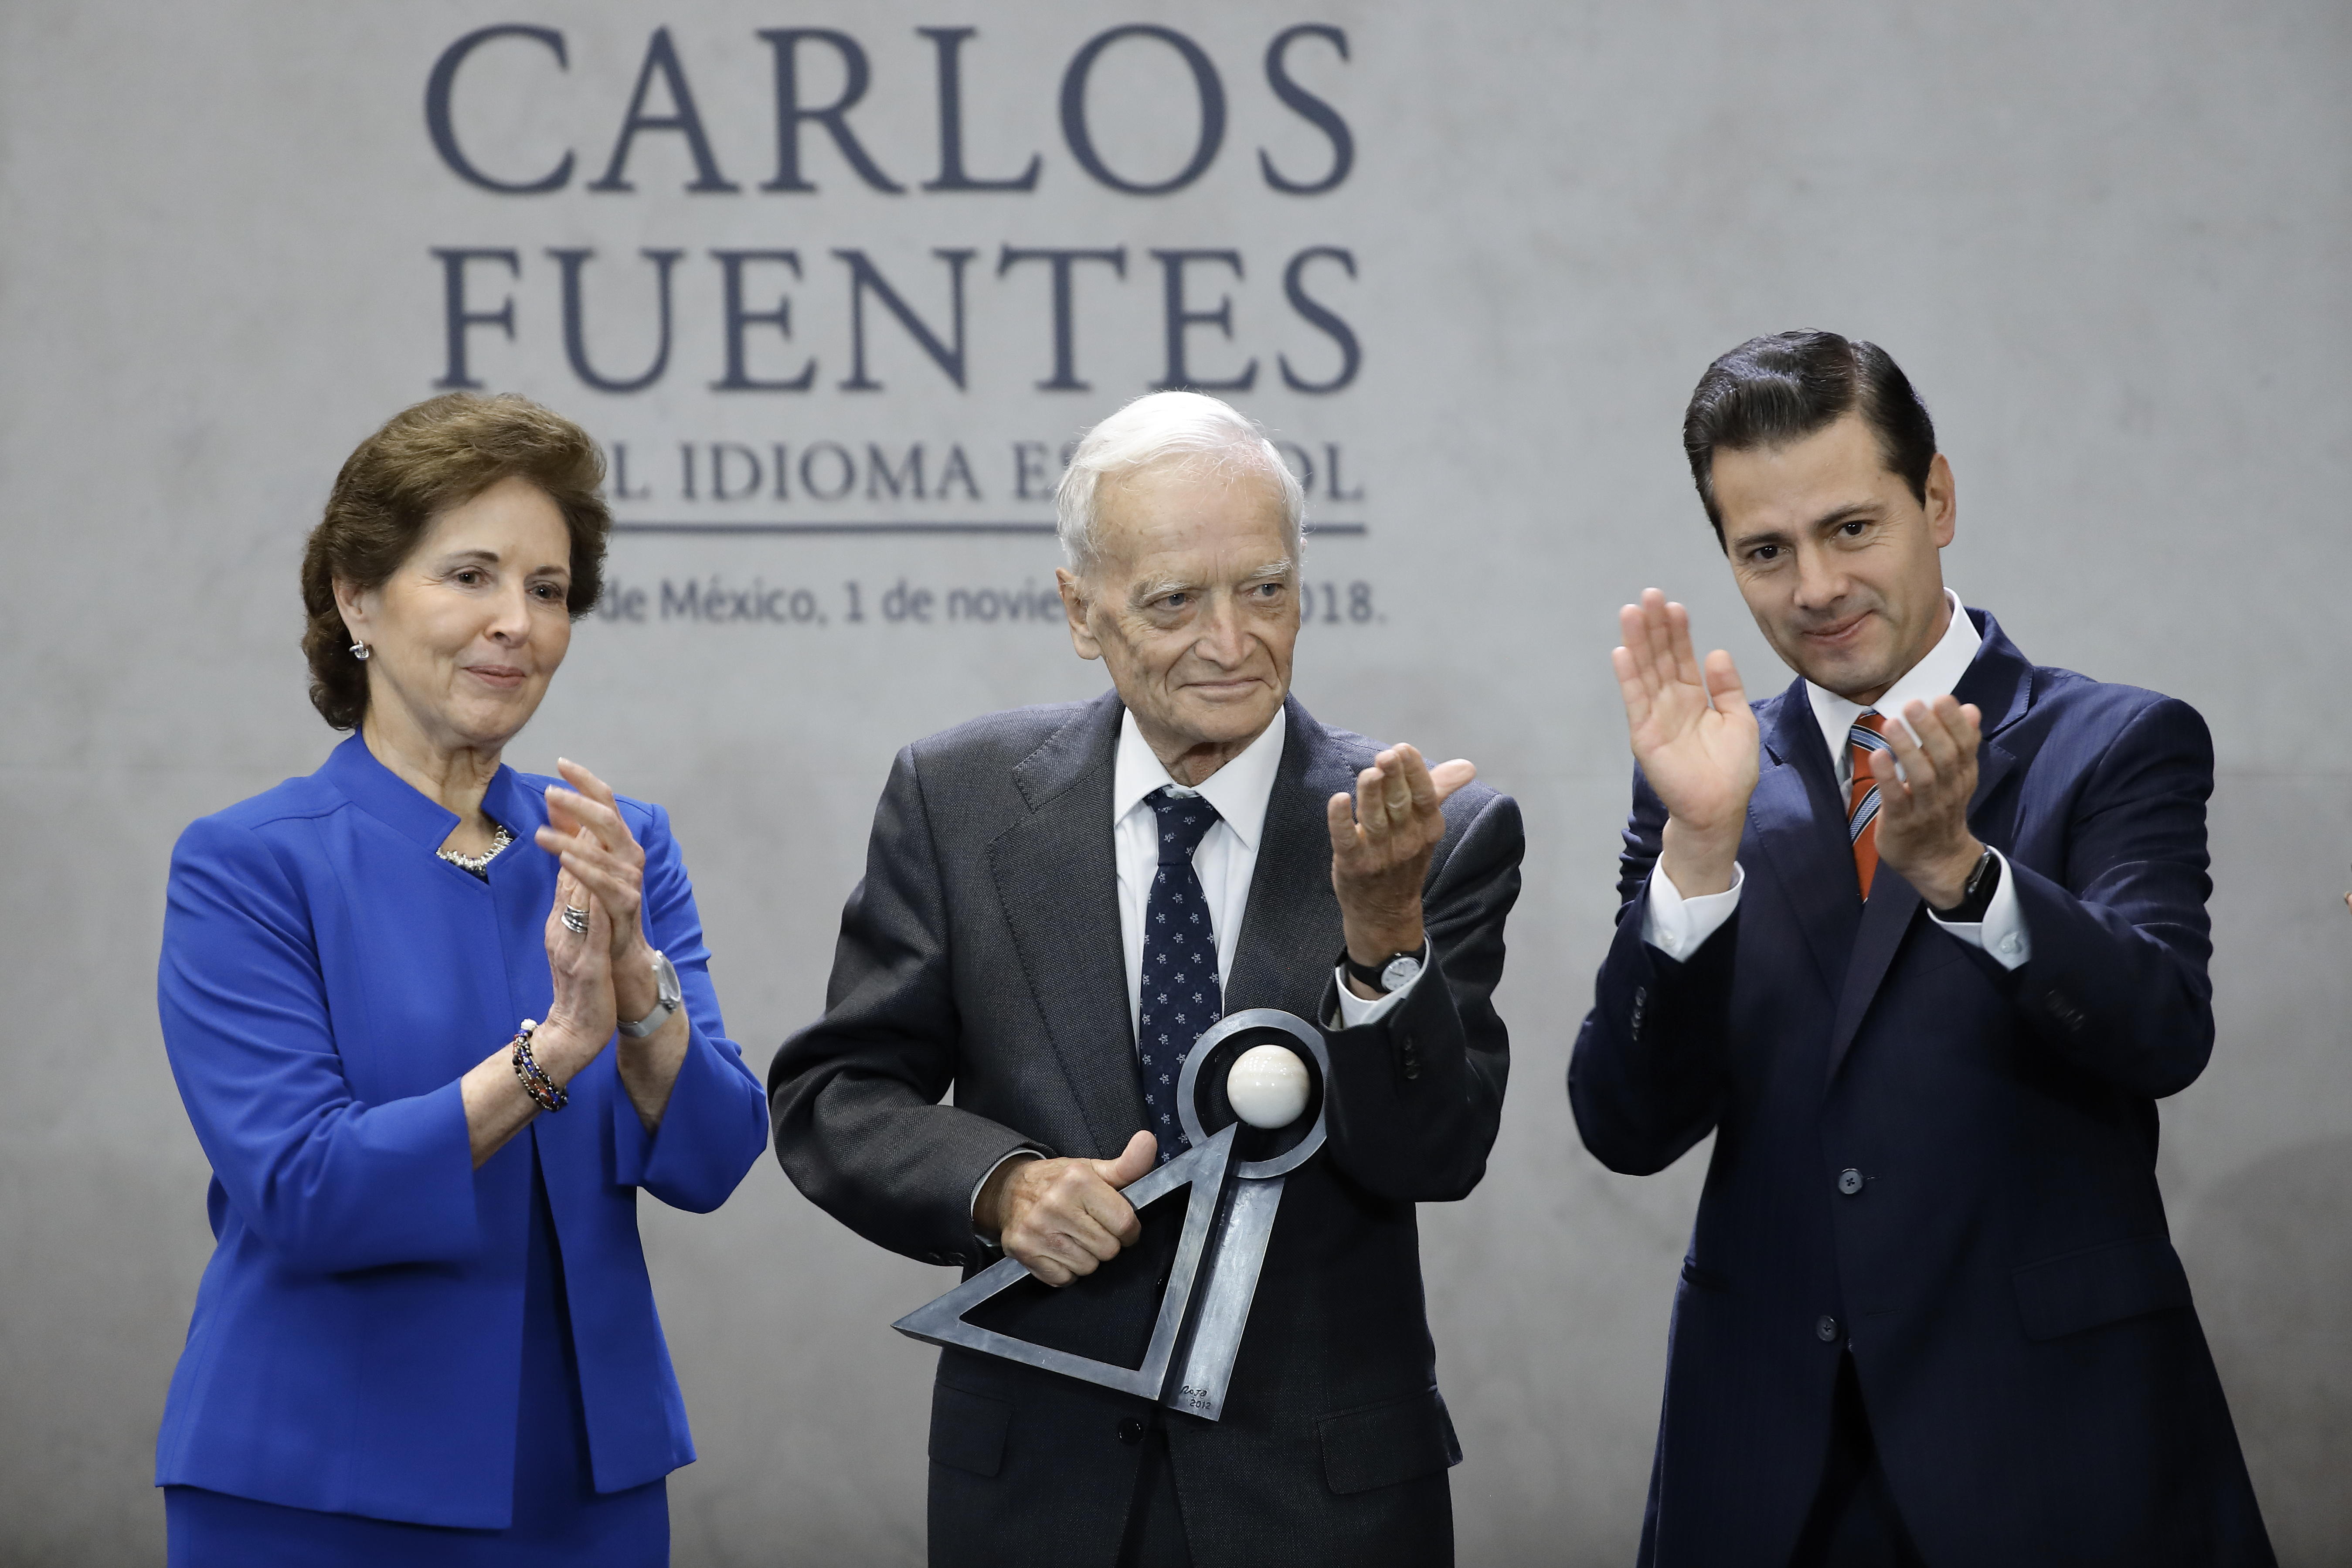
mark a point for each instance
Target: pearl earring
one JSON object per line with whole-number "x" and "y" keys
{"x": 359, "y": 651}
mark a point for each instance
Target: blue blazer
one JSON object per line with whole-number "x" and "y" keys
{"x": 2034, "y": 1369}
{"x": 326, "y": 980}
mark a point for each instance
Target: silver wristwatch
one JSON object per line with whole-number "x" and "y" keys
{"x": 1399, "y": 971}
{"x": 668, "y": 999}
{"x": 1393, "y": 973}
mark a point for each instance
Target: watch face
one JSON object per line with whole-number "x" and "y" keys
{"x": 1399, "y": 972}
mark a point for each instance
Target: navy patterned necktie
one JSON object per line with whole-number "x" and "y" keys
{"x": 1181, "y": 996}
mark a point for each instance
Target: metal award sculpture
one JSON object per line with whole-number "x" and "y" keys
{"x": 1259, "y": 1077}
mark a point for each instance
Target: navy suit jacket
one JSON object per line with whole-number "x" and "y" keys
{"x": 2033, "y": 1370}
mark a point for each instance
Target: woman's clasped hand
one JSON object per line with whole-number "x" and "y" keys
{"x": 603, "y": 870}
{"x": 581, "y": 1017}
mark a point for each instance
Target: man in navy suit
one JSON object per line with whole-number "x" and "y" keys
{"x": 1922, "y": 941}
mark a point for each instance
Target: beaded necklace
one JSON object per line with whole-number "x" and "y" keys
{"x": 479, "y": 864}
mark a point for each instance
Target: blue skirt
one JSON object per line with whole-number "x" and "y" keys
{"x": 559, "y": 1517}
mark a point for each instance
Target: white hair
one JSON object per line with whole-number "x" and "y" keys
{"x": 1168, "y": 428}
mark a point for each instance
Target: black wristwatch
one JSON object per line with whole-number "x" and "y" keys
{"x": 1391, "y": 973}
{"x": 1976, "y": 898}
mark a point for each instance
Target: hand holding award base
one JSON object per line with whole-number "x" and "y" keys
{"x": 1258, "y": 1079}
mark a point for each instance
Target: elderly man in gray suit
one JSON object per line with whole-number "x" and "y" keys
{"x": 1011, "y": 942}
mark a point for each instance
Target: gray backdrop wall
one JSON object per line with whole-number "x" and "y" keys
{"x": 2108, "y": 240}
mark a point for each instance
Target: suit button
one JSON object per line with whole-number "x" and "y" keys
{"x": 1130, "y": 1431}
{"x": 1412, "y": 1066}
{"x": 1850, "y": 1181}
{"x": 1826, "y": 1329}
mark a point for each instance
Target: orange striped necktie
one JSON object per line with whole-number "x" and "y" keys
{"x": 1862, "y": 797}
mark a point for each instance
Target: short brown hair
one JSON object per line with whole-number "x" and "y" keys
{"x": 440, "y": 454}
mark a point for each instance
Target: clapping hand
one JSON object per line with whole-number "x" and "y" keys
{"x": 1923, "y": 809}
{"x": 1381, "y": 839}
{"x": 579, "y": 1021}
{"x": 580, "y": 963}
{"x": 586, "y": 831}
{"x": 1694, "y": 736}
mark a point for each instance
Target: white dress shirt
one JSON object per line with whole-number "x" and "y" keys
{"x": 1224, "y": 862}
{"x": 1678, "y": 926}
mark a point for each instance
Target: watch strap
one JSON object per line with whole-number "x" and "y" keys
{"x": 1976, "y": 899}
{"x": 668, "y": 999}
{"x": 1375, "y": 975}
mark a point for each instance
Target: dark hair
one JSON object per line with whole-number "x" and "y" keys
{"x": 1771, "y": 391}
{"x": 440, "y": 454}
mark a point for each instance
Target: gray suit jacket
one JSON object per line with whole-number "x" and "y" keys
{"x": 981, "y": 953}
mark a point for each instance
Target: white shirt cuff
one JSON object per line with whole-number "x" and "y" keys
{"x": 2002, "y": 933}
{"x": 1355, "y": 1011}
{"x": 1679, "y": 927}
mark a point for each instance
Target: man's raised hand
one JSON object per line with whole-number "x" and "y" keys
{"x": 1382, "y": 840}
{"x": 1062, "y": 1218}
{"x": 1924, "y": 788}
{"x": 1694, "y": 736}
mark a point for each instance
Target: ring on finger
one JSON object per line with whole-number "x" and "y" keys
{"x": 575, "y": 919}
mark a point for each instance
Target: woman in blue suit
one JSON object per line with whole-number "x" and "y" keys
{"x": 426, "y": 1334}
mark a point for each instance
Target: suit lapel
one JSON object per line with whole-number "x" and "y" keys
{"x": 1057, "y": 875}
{"x": 2000, "y": 683}
{"x": 1290, "y": 935}
{"x": 1894, "y": 903}
{"x": 1795, "y": 815}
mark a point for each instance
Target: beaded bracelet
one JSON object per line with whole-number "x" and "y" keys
{"x": 544, "y": 1091}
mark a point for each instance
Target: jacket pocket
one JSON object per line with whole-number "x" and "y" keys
{"x": 2098, "y": 1285}
{"x": 1381, "y": 1445}
{"x": 968, "y": 1430}
{"x": 1704, "y": 1278}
